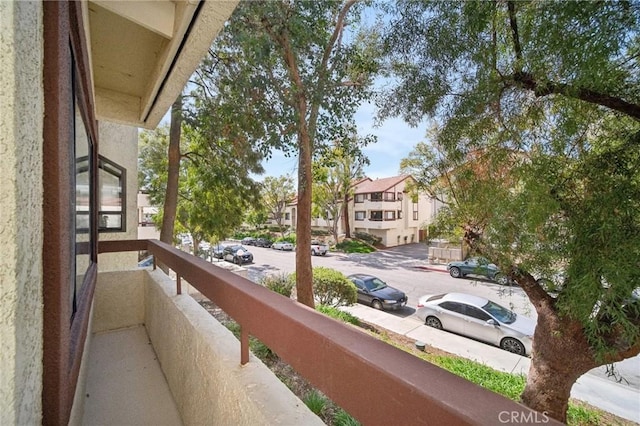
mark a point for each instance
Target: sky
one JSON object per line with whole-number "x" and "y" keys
{"x": 395, "y": 140}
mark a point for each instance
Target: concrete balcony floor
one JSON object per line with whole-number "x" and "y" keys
{"x": 125, "y": 385}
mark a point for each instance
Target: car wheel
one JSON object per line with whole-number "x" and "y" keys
{"x": 512, "y": 345}
{"x": 237, "y": 261}
{"x": 376, "y": 304}
{"x": 433, "y": 322}
{"x": 455, "y": 272}
{"x": 314, "y": 253}
{"x": 501, "y": 279}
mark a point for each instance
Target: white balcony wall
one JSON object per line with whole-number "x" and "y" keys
{"x": 200, "y": 358}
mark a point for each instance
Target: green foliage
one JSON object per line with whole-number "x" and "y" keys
{"x": 354, "y": 246}
{"x": 369, "y": 238}
{"x": 319, "y": 233}
{"x": 291, "y": 238}
{"x": 281, "y": 283}
{"x": 276, "y": 194}
{"x": 336, "y": 313}
{"x": 342, "y": 418}
{"x": 332, "y": 288}
{"x": 315, "y": 401}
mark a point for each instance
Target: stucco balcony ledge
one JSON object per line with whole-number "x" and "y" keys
{"x": 156, "y": 357}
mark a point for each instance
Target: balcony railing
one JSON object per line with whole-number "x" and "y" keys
{"x": 374, "y": 382}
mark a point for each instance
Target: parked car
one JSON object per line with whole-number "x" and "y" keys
{"x": 263, "y": 242}
{"x": 248, "y": 241}
{"x": 478, "y": 318}
{"x": 476, "y": 266}
{"x": 217, "y": 251}
{"x": 146, "y": 262}
{"x": 282, "y": 245}
{"x": 319, "y": 248}
{"x": 237, "y": 254}
{"x": 374, "y": 292}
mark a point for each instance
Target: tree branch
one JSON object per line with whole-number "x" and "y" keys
{"x": 527, "y": 81}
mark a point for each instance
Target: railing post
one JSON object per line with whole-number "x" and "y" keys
{"x": 244, "y": 346}
{"x": 179, "y": 284}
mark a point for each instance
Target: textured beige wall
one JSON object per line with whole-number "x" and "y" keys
{"x": 119, "y": 143}
{"x": 119, "y": 300}
{"x": 201, "y": 361}
{"x": 21, "y": 122}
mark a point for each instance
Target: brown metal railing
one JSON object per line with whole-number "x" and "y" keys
{"x": 373, "y": 381}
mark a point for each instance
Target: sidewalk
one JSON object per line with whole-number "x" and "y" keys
{"x": 623, "y": 401}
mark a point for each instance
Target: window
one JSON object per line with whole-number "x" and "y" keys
{"x": 360, "y": 198}
{"x": 360, "y": 215}
{"x": 415, "y": 215}
{"x": 389, "y": 215}
{"x": 376, "y": 196}
{"x": 415, "y": 211}
{"x": 399, "y": 214}
{"x": 389, "y": 196}
{"x": 112, "y": 180}
{"x": 287, "y": 216}
{"x": 453, "y": 306}
{"x": 375, "y": 215}
{"x": 399, "y": 196}
{"x": 474, "y": 312}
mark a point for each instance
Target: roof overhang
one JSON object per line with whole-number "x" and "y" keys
{"x": 143, "y": 53}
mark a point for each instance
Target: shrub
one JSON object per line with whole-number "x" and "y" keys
{"x": 336, "y": 313}
{"x": 332, "y": 287}
{"x": 354, "y": 246}
{"x": 281, "y": 283}
{"x": 369, "y": 238}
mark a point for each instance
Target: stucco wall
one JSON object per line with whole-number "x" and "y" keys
{"x": 119, "y": 143}
{"x": 201, "y": 361}
{"x": 119, "y": 300}
{"x": 21, "y": 235}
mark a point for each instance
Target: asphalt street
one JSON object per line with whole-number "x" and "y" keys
{"x": 408, "y": 269}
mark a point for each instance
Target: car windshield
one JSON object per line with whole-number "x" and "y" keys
{"x": 500, "y": 313}
{"x": 374, "y": 284}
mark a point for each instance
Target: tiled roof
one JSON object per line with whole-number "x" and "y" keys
{"x": 380, "y": 185}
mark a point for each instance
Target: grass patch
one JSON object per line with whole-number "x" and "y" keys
{"x": 316, "y": 402}
{"x": 354, "y": 246}
{"x": 336, "y": 313}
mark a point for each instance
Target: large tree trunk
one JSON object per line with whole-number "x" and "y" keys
{"x": 345, "y": 216}
{"x": 171, "y": 197}
{"x": 304, "y": 271}
{"x": 561, "y": 353}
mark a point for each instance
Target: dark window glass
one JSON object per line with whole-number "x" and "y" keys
{"x": 453, "y": 306}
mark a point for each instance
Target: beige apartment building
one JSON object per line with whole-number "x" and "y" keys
{"x": 382, "y": 207}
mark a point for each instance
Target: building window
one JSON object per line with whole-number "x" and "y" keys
{"x": 376, "y": 196}
{"x": 361, "y": 215}
{"x": 399, "y": 196}
{"x": 399, "y": 214}
{"x": 359, "y": 198}
{"x": 415, "y": 215}
{"x": 415, "y": 211}
{"x": 375, "y": 215}
{"x": 389, "y": 215}
{"x": 389, "y": 196}
{"x": 112, "y": 180}
{"x": 287, "y": 216}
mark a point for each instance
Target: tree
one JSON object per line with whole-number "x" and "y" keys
{"x": 291, "y": 72}
{"x": 537, "y": 110}
{"x": 276, "y": 194}
{"x": 213, "y": 192}
{"x": 334, "y": 175}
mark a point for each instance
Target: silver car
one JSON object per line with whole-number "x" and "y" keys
{"x": 478, "y": 318}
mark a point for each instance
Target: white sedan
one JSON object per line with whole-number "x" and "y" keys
{"x": 282, "y": 245}
{"x": 478, "y": 318}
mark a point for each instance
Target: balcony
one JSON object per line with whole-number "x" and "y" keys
{"x": 198, "y": 373}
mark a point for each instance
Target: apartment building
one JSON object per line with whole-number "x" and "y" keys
{"x": 382, "y": 207}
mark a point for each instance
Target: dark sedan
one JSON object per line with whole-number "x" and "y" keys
{"x": 376, "y": 293}
{"x": 263, "y": 242}
{"x": 237, "y": 254}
